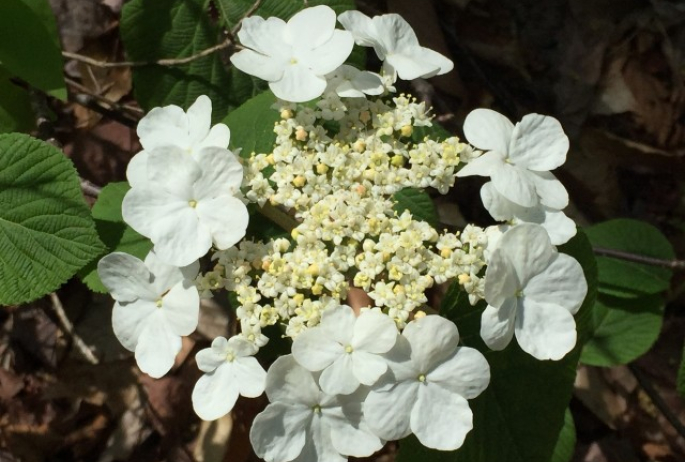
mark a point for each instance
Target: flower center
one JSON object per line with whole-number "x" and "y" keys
{"x": 230, "y": 356}
{"x": 158, "y": 302}
{"x": 519, "y": 293}
{"x": 422, "y": 378}
{"x": 293, "y": 60}
{"x": 349, "y": 349}
{"x": 316, "y": 409}
{"x": 192, "y": 203}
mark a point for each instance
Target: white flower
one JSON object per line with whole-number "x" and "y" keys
{"x": 519, "y": 157}
{"x": 346, "y": 348}
{"x": 171, "y": 126}
{"x": 230, "y": 370}
{"x": 305, "y": 424}
{"x": 533, "y": 291}
{"x": 432, "y": 377}
{"x": 293, "y": 57}
{"x": 349, "y": 82}
{"x": 396, "y": 45}
{"x": 155, "y": 305}
{"x": 186, "y": 206}
{"x": 559, "y": 227}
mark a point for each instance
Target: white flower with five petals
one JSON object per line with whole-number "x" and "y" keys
{"x": 305, "y": 424}
{"x": 346, "y": 348}
{"x": 349, "y": 82}
{"x": 395, "y": 43}
{"x": 427, "y": 389}
{"x": 230, "y": 370}
{"x": 186, "y": 206}
{"x": 518, "y": 158}
{"x": 294, "y": 57}
{"x": 171, "y": 126}
{"x": 156, "y": 304}
{"x": 532, "y": 291}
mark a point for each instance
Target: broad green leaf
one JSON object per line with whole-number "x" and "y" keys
{"x": 623, "y": 278}
{"x": 419, "y": 203}
{"x": 436, "y": 132}
{"x": 172, "y": 29}
{"x": 46, "y": 228}
{"x": 566, "y": 443}
{"x": 252, "y": 125}
{"x": 523, "y": 407}
{"x": 624, "y": 329}
{"x": 114, "y": 232}
{"x": 29, "y": 45}
{"x": 232, "y": 11}
{"x": 15, "y": 106}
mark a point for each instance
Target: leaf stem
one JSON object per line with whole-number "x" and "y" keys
{"x": 621, "y": 255}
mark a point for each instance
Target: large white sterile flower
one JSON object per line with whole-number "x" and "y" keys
{"x": 188, "y": 205}
{"x": 155, "y": 305}
{"x": 294, "y": 57}
{"x": 427, "y": 390}
{"x": 395, "y": 43}
{"x": 230, "y": 370}
{"x": 346, "y": 348}
{"x": 171, "y": 126}
{"x": 518, "y": 158}
{"x": 559, "y": 227}
{"x": 532, "y": 291}
{"x": 304, "y": 424}
{"x": 349, "y": 82}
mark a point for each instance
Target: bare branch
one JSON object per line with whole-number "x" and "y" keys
{"x": 672, "y": 264}
{"x": 68, "y": 329}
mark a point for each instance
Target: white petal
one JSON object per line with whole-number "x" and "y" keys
{"x": 374, "y": 332}
{"x": 330, "y": 55}
{"x": 440, "y": 419}
{"x": 163, "y": 126}
{"x": 226, "y": 218}
{"x": 298, "y": 84}
{"x": 497, "y": 324}
{"x": 361, "y": 27}
{"x": 408, "y": 67}
{"x": 562, "y": 283}
{"x": 465, "y": 373}
{"x": 488, "y": 130}
{"x": 529, "y": 250}
{"x": 545, "y": 331}
{"x": 432, "y": 339}
{"x": 310, "y": 28}
{"x": 278, "y": 432}
{"x": 288, "y": 382}
{"x": 265, "y": 36}
{"x": 339, "y": 323}
{"x": 388, "y": 411}
{"x": 263, "y": 67}
{"x": 338, "y": 378}
{"x": 443, "y": 64}
{"x": 165, "y": 276}
{"x": 559, "y": 227}
{"x": 240, "y": 346}
{"x": 215, "y": 393}
{"x": 552, "y": 193}
{"x": 199, "y": 119}
{"x": 539, "y": 143}
{"x": 126, "y": 277}
{"x": 219, "y": 136}
{"x": 484, "y": 165}
{"x": 394, "y": 33}
{"x": 367, "y": 368}
{"x": 136, "y": 171}
{"x": 319, "y": 445}
{"x": 157, "y": 346}
{"x": 222, "y": 173}
{"x": 173, "y": 171}
{"x": 180, "y": 239}
{"x": 250, "y": 376}
{"x": 350, "y": 434}
{"x": 315, "y": 350}
{"x": 209, "y": 359}
{"x": 128, "y": 321}
{"x": 516, "y": 184}
{"x": 499, "y": 207}
{"x": 181, "y": 308}
{"x": 501, "y": 281}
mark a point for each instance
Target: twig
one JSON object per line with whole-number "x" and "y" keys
{"x": 133, "y": 111}
{"x": 89, "y": 188}
{"x": 672, "y": 264}
{"x": 68, "y": 329}
{"x": 657, "y": 400}
{"x": 247, "y": 14}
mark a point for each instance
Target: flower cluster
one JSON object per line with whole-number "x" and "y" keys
{"x": 335, "y": 181}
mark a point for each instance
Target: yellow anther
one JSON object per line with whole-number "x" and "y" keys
{"x": 317, "y": 289}
{"x": 300, "y": 133}
{"x": 407, "y": 130}
{"x": 313, "y": 270}
{"x": 321, "y": 168}
{"x": 464, "y": 278}
{"x": 397, "y": 161}
{"x": 299, "y": 181}
{"x": 286, "y": 114}
{"x": 419, "y": 314}
{"x": 446, "y": 253}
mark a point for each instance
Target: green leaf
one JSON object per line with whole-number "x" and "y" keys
{"x": 436, "y": 132}
{"x": 252, "y": 125}
{"x": 419, "y": 203}
{"x": 15, "y": 106}
{"x": 46, "y": 228}
{"x": 29, "y": 45}
{"x": 622, "y": 278}
{"x": 172, "y": 29}
{"x": 523, "y": 407}
{"x": 624, "y": 329}
{"x": 114, "y": 232}
{"x": 566, "y": 443}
